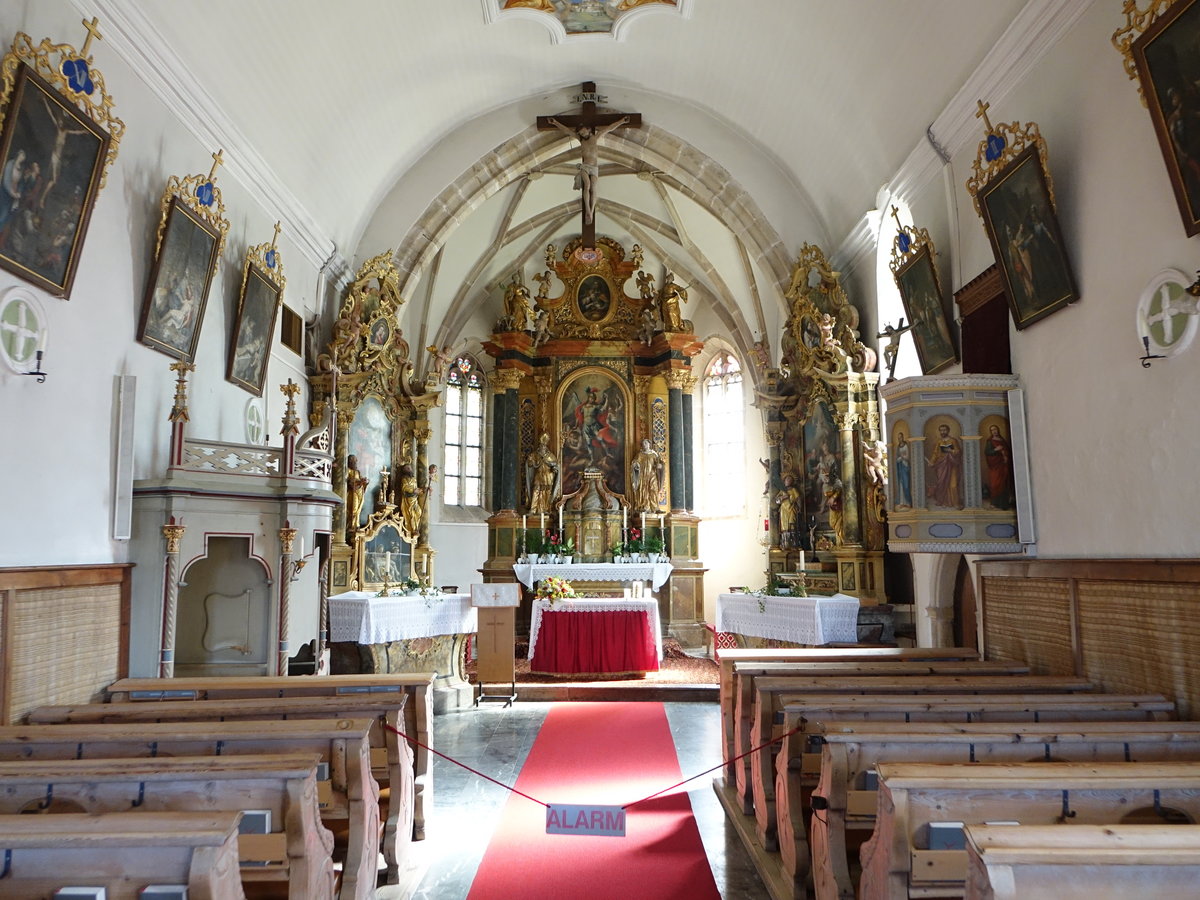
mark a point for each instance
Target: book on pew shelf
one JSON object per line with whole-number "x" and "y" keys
{"x": 947, "y": 836}
{"x": 870, "y": 780}
{"x": 163, "y": 892}
{"x": 79, "y": 892}
{"x": 322, "y": 771}
{"x": 255, "y": 821}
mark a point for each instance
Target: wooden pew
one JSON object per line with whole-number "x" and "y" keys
{"x": 299, "y": 849}
{"x": 759, "y": 793}
{"x": 740, "y": 675}
{"x": 1083, "y": 862}
{"x": 816, "y": 654}
{"x": 896, "y": 860}
{"x": 802, "y": 711}
{"x": 418, "y": 710}
{"x": 121, "y": 852}
{"x": 343, "y": 743}
{"x": 850, "y": 751}
{"x": 393, "y": 755}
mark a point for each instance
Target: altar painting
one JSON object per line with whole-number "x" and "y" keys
{"x": 592, "y": 416}
{"x": 370, "y": 440}
{"x": 386, "y": 557}
{"x": 822, "y": 467}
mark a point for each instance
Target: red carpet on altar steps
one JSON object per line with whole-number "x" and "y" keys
{"x": 601, "y": 753}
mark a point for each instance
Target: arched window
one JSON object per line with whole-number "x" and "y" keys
{"x": 462, "y": 476}
{"x": 724, "y": 437}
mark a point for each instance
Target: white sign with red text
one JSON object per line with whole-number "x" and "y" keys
{"x": 606, "y": 821}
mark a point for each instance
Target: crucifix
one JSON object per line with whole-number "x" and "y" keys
{"x": 588, "y": 127}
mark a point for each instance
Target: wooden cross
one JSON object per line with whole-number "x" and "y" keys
{"x": 217, "y": 158}
{"x": 981, "y": 113}
{"x": 93, "y": 31}
{"x": 596, "y": 124}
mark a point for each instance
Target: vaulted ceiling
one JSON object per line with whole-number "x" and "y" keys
{"x": 408, "y": 124}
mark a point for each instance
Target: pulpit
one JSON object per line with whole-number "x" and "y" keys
{"x": 495, "y": 645}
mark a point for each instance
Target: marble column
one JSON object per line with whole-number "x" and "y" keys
{"x": 498, "y": 437}
{"x": 173, "y": 534}
{"x": 505, "y": 437}
{"x": 676, "y": 439}
{"x": 688, "y": 444}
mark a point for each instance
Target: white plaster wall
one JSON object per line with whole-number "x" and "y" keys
{"x": 59, "y": 437}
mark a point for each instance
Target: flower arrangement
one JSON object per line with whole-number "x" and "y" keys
{"x": 634, "y": 544}
{"x": 653, "y": 543}
{"x": 554, "y": 589}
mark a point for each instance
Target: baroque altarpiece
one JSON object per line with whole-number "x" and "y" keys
{"x": 592, "y": 391}
{"x": 381, "y": 435}
{"x": 827, "y": 477}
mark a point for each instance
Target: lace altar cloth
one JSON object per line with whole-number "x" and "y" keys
{"x": 362, "y": 617}
{"x": 648, "y": 605}
{"x": 655, "y": 573}
{"x": 811, "y": 621}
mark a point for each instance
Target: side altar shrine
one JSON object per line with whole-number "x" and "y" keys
{"x": 592, "y": 394}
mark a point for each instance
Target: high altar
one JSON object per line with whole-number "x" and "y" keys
{"x": 827, "y": 479}
{"x": 593, "y": 410}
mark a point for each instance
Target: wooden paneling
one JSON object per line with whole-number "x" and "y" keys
{"x": 64, "y": 635}
{"x": 1129, "y": 625}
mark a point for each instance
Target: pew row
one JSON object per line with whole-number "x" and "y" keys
{"x": 758, "y": 793}
{"x": 418, "y": 710}
{"x": 299, "y": 852}
{"x": 816, "y": 654}
{"x": 897, "y": 861}
{"x": 849, "y": 753}
{"x": 122, "y": 852}
{"x": 1083, "y": 862}
{"x": 343, "y": 743}
{"x": 392, "y": 763}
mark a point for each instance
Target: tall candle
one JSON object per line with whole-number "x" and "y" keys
{"x": 624, "y": 517}
{"x": 800, "y": 566}
{"x": 542, "y": 521}
{"x": 522, "y": 522}
{"x": 643, "y": 522}
{"x": 560, "y": 520}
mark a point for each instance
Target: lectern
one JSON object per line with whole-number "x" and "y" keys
{"x": 497, "y": 633}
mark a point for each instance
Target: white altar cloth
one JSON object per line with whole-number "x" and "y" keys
{"x": 801, "y": 620}
{"x": 655, "y": 573}
{"x": 648, "y": 605}
{"x": 364, "y": 618}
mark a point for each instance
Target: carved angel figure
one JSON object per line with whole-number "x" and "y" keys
{"x": 876, "y": 461}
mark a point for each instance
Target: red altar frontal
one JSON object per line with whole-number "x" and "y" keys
{"x": 595, "y": 636}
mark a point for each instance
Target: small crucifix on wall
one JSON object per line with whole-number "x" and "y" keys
{"x": 588, "y": 127}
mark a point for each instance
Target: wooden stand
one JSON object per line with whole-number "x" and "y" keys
{"x": 496, "y": 638}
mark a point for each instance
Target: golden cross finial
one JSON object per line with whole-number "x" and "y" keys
{"x": 93, "y": 34}
{"x": 896, "y": 216}
{"x": 217, "y": 158}
{"x": 274, "y": 239}
{"x": 981, "y": 113}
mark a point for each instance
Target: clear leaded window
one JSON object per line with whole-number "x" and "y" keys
{"x": 462, "y": 475}
{"x": 724, "y": 438}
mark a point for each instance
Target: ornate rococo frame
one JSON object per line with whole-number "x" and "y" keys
{"x": 263, "y": 261}
{"x": 914, "y": 247}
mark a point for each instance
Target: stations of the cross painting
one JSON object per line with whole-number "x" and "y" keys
{"x": 587, "y": 127}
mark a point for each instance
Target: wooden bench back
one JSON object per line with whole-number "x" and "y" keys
{"x": 122, "y": 852}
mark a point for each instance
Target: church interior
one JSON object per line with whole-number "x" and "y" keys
{"x": 706, "y": 312}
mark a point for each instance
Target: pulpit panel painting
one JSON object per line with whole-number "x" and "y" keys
{"x": 370, "y": 442}
{"x": 822, "y": 468}
{"x": 901, "y": 475}
{"x": 996, "y": 463}
{"x": 943, "y": 463}
{"x": 592, "y": 411}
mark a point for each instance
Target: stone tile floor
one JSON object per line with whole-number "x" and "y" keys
{"x": 497, "y": 740}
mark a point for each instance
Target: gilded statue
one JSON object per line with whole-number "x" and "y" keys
{"x": 518, "y": 309}
{"x": 669, "y": 300}
{"x": 788, "y": 502}
{"x": 646, "y": 474}
{"x": 356, "y": 492}
{"x": 541, "y": 476}
{"x": 412, "y": 501}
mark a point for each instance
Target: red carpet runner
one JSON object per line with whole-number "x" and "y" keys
{"x": 603, "y": 753}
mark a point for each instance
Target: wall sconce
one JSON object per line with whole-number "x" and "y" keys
{"x": 298, "y": 566}
{"x": 37, "y": 372}
{"x": 1168, "y": 314}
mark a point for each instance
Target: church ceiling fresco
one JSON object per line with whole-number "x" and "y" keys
{"x": 585, "y": 16}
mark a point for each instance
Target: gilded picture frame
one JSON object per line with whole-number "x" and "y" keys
{"x": 921, "y": 291}
{"x": 52, "y": 163}
{"x": 180, "y": 279}
{"x": 254, "y": 327}
{"x": 1168, "y": 71}
{"x": 1018, "y": 213}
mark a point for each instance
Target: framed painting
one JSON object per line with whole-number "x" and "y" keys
{"x": 180, "y": 278}
{"x": 594, "y": 299}
{"x": 1168, "y": 69}
{"x": 52, "y": 160}
{"x": 1018, "y": 215}
{"x": 250, "y": 348}
{"x": 921, "y": 292}
{"x": 386, "y": 558}
{"x": 592, "y": 419}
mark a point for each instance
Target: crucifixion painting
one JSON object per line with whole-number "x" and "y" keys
{"x": 588, "y": 127}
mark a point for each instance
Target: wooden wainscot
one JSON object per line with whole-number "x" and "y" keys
{"x": 351, "y": 795}
{"x": 850, "y": 752}
{"x": 898, "y": 861}
{"x": 122, "y": 852}
{"x": 297, "y": 852}
{"x": 1083, "y": 862}
{"x": 418, "y": 711}
{"x": 390, "y": 755}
